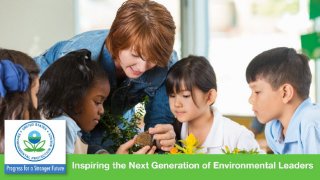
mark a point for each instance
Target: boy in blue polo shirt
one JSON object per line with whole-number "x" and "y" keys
{"x": 280, "y": 80}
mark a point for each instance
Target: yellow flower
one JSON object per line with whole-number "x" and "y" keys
{"x": 189, "y": 146}
{"x": 191, "y": 140}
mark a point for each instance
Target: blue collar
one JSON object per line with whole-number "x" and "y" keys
{"x": 292, "y": 134}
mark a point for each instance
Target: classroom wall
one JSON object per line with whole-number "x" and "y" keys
{"x": 32, "y": 26}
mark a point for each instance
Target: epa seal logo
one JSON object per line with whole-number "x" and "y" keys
{"x": 34, "y": 141}
{"x": 35, "y": 146}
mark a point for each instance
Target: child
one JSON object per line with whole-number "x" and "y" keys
{"x": 192, "y": 89}
{"x": 280, "y": 81}
{"x": 74, "y": 88}
{"x": 19, "y": 84}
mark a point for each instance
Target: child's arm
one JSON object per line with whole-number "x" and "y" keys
{"x": 80, "y": 147}
{"x": 247, "y": 142}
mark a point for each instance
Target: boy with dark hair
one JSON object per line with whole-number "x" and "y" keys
{"x": 280, "y": 81}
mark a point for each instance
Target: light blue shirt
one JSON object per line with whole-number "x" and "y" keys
{"x": 303, "y": 133}
{"x": 72, "y": 133}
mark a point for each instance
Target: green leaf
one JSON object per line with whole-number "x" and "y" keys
{"x": 28, "y": 149}
{"x": 39, "y": 150}
{"x": 179, "y": 147}
{"x": 28, "y": 144}
{"x": 40, "y": 144}
{"x": 128, "y": 129}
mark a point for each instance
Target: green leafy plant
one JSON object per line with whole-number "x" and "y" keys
{"x": 120, "y": 130}
{"x": 236, "y": 150}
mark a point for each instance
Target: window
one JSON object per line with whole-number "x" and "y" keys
{"x": 241, "y": 29}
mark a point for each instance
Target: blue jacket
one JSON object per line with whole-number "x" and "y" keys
{"x": 130, "y": 92}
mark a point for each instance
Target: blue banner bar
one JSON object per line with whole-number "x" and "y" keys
{"x": 35, "y": 168}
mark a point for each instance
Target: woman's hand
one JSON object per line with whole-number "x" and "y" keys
{"x": 164, "y": 136}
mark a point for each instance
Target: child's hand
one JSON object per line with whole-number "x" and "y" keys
{"x": 146, "y": 150}
{"x": 124, "y": 148}
{"x": 164, "y": 136}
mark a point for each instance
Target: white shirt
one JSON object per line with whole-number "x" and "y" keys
{"x": 225, "y": 132}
